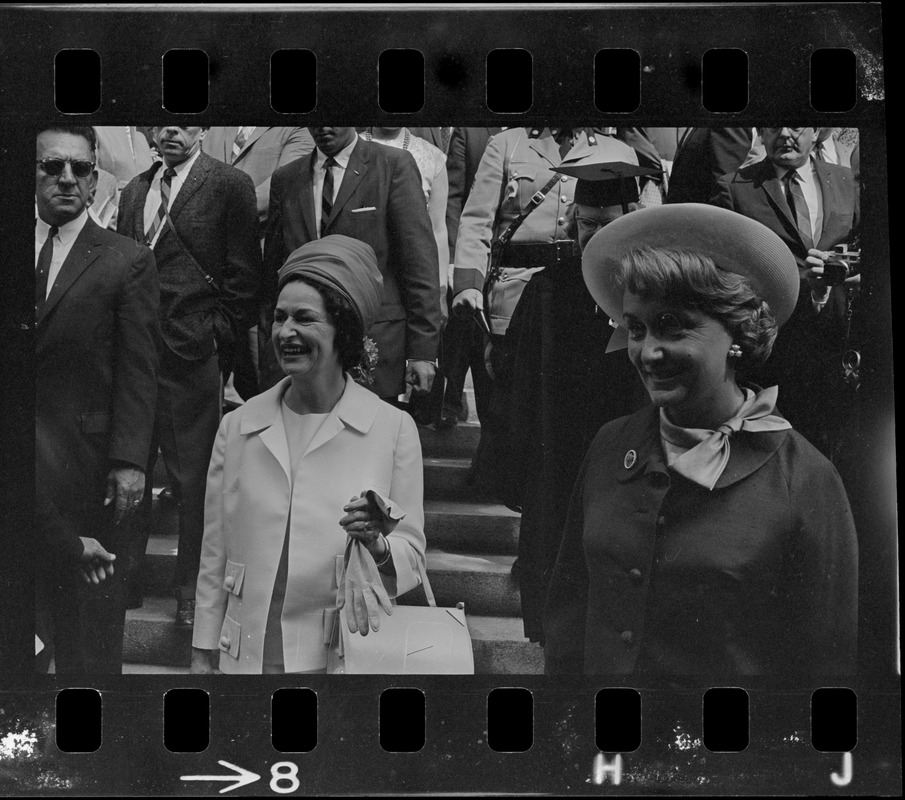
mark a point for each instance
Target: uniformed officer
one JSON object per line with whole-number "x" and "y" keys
{"x": 515, "y": 184}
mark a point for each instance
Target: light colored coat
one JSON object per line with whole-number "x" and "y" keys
{"x": 363, "y": 444}
{"x": 517, "y": 163}
{"x": 264, "y": 150}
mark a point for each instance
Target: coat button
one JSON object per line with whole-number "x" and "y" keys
{"x": 564, "y": 179}
{"x": 661, "y": 520}
{"x": 564, "y": 198}
{"x": 562, "y": 220}
{"x": 224, "y": 641}
{"x": 627, "y": 638}
{"x": 635, "y": 575}
{"x": 230, "y": 583}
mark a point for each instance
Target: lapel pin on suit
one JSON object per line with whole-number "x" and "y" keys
{"x": 630, "y": 458}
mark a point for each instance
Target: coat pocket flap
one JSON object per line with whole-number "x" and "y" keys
{"x": 234, "y": 577}
{"x": 94, "y": 422}
{"x": 230, "y": 636}
{"x": 523, "y": 171}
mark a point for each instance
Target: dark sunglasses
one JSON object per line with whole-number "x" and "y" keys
{"x": 55, "y": 166}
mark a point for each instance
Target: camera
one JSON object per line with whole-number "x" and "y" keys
{"x": 842, "y": 264}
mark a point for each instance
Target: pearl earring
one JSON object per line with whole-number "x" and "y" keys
{"x": 735, "y": 351}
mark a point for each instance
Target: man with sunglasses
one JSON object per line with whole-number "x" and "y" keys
{"x": 96, "y": 300}
{"x": 813, "y": 206}
{"x": 200, "y": 216}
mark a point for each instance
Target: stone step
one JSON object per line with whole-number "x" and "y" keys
{"x": 458, "y": 526}
{"x": 445, "y": 478}
{"x": 460, "y": 441}
{"x": 152, "y": 644}
{"x": 482, "y": 582}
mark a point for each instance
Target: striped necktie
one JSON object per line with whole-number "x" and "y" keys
{"x": 799, "y": 208}
{"x": 327, "y": 194}
{"x": 241, "y": 138}
{"x": 168, "y": 174}
{"x": 42, "y": 270}
{"x": 445, "y": 136}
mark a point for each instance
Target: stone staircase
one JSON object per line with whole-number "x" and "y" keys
{"x": 471, "y": 546}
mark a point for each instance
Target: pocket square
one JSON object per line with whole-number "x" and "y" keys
{"x": 364, "y": 208}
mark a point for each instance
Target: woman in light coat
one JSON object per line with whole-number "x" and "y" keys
{"x": 278, "y": 512}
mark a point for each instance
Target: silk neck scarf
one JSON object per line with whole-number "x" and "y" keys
{"x": 706, "y": 452}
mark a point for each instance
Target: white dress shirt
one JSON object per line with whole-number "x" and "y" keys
{"x": 152, "y": 203}
{"x": 339, "y": 171}
{"x": 62, "y": 244}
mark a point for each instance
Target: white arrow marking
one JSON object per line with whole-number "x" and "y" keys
{"x": 241, "y": 778}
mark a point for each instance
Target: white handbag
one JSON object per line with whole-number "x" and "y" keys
{"x": 414, "y": 640}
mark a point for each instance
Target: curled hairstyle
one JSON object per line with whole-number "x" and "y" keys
{"x": 85, "y": 131}
{"x": 694, "y": 281}
{"x": 349, "y": 339}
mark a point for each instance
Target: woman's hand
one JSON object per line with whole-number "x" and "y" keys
{"x": 201, "y": 662}
{"x": 365, "y": 521}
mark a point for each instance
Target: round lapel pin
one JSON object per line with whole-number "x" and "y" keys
{"x": 630, "y": 458}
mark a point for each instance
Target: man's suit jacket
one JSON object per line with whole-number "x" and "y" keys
{"x": 806, "y": 358}
{"x": 466, "y": 148}
{"x": 757, "y": 192}
{"x": 703, "y": 156}
{"x": 216, "y": 216}
{"x": 379, "y": 202}
{"x": 95, "y": 381}
{"x": 263, "y": 152}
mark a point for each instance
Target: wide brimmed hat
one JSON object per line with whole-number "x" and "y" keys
{"x": 342, "y": 263}
{"x": 733, "y": 242}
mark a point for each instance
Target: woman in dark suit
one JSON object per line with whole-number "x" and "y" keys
{"x": 705, "y": 537}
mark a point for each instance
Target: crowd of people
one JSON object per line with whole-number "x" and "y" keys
{"x": 273, "y": 311}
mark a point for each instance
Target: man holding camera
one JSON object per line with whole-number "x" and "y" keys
{"x": 813, "y": 206}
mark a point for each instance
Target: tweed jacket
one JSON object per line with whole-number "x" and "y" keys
{"x": 216, "y": 216}
{"x": 659, "y": 577}
{"x": 363, "y": 444}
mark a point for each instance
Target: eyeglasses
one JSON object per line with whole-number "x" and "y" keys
{"x": 55, "y": 166}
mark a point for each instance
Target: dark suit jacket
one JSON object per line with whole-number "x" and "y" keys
{"x": 466, "y": 147}
{"x": 217, "y": 219}
{"x": 95, "y": 381}
{"x": 757, "y": 192}
{"x": 380, "y": 202}
{"x": 659, "y": 577}
{"x": 806, "y": 359}
{"x": 703, "y": 156}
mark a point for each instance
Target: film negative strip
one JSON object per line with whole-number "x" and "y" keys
{"x": 159, "y": 729}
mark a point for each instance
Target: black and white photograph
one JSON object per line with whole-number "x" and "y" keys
{"x": 552, "y": 455}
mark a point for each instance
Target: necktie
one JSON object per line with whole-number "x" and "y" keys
{"x": 564, "y": 139}
{"x": 327, "y": 195}
{"x": 445, "y": 134}
{"x": 799, "y": 208}
{"x": 168, "y": 175}
{"x": 239, "y": 143}
{"x": 42, "y": 270}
